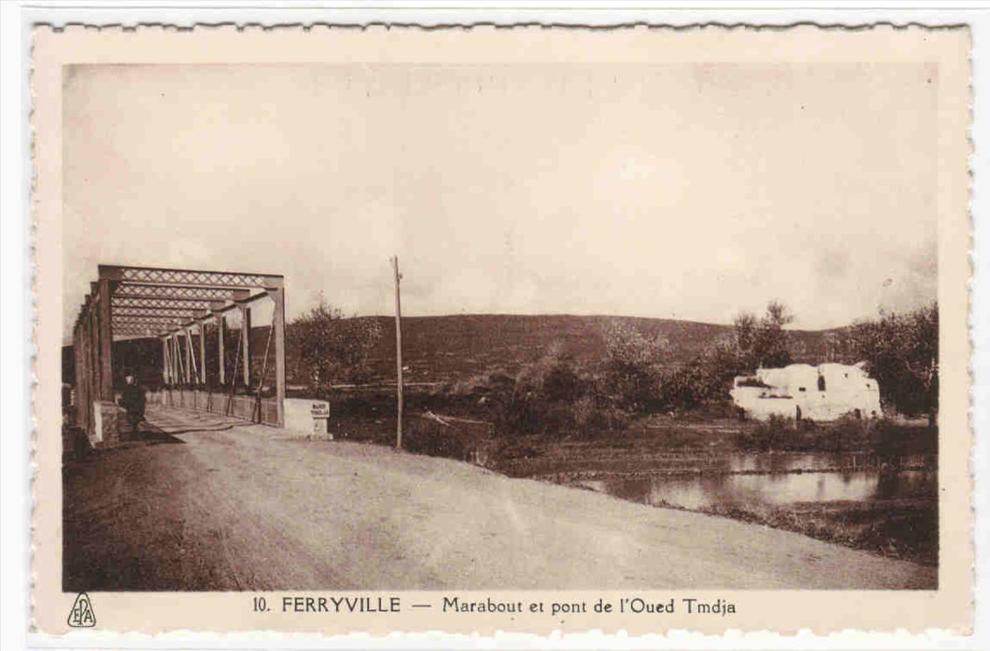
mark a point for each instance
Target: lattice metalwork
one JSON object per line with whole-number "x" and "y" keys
{"x": 160, "y": 311}
{"x": 134, "y": 331}
{"x": 190, "y": 278}
{"x": 165, "y": 291}
{"x": 171, "y": 304}
{"x": 163, "y": 320}
{"x": 120, "y": 328}
{"x": 163, "y": 303}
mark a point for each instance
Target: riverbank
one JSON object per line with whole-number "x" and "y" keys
{"x": 202, "y": 505}
{"x": 841, "y": 483}
{"x": 712, "y": 456}
{"x": 901, "y": 529}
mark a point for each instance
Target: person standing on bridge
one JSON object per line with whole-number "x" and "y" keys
{"x": 133, "y": 401}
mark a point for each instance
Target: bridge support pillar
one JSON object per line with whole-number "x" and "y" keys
{"x": 278, "y": 323}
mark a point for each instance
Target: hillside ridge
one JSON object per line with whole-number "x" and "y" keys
{"x": 457, "y": 346}
{"x": 447, "y": 347}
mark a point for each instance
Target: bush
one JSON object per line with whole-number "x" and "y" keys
{"x": 552, "y": 378}
{"x": 885, "y": 438}
{"x": 331, "y": 348}
{"x": 585, "y": 412}
{"x": 707, "y": 378}
{"x": 901, "y": 351}
{"x": 590, "y": 416}
{"x": 482, "y": 386}
{"x": 766, "y": 435}
{"x": 552, "y": 396}
{"x": 461, "y": 442}
{"x": 848, "y": 432}
{"x": 632, "y": 368}
{"x": 693, "y": 385}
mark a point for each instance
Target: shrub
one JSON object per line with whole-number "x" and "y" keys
{"x": 763, "y": 341}
{"x": 552, "y": 378}
{"x": 330, "y": 347}
{"x": 885, "y": 438}
{"x": 766, "y": 435}
{"x": 461, "y": 441}
{"x": 585, "y": 412}
{"x": 754, "y": 342}
{"x": 484, "y": 385}
{"x": 848, "y": 432}
{"x": 553, "y": 396}
{"x": 901, "y": 351}
{"x": 632, "y": 370}
{"x": 590, "y": 416}
{"x": 693, "y": 385}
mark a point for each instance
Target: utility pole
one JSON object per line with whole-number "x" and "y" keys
{"x": 398, "y": 355}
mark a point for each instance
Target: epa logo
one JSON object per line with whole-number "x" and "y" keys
{"x": 82, "y": 614}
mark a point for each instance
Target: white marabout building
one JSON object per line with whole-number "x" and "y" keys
{"x": 824, "y": 392}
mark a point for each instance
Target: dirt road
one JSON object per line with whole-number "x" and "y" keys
{"x": 207, "y": 505}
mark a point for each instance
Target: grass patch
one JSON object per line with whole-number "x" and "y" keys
{"x": 902, "y": 529}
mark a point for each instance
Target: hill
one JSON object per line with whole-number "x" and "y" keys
{"x": 441, "y": 348}
{"x": 449, "y": 347}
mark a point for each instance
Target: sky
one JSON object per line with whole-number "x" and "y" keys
{"x": 675, "y": 191}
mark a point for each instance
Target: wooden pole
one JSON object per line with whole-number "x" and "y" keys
{"x": 398, "y": 355}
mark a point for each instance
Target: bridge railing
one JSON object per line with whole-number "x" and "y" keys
{"x": 249, "y": 408}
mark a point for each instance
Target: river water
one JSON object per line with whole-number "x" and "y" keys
{"x": 776, "y": 479}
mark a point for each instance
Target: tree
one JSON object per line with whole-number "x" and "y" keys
{"x": 763, "y": 342}
{"x": 699, "y": 381}
{"x": 754, "y": 342}
{"x": 744, "y": 331}
{"x": 544, "y": 396}
{"x": 332, "y": 348}
{"x": 901, "y": 352}
{"x": 632, "y": 365}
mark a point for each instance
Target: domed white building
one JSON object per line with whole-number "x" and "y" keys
{"x": 802, "y": 391}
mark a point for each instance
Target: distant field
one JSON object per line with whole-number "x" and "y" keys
{"x": 442, "y": 348}
{"x": 451, "y": 347}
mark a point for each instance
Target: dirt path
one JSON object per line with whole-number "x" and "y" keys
{"x": 210, "y": 506}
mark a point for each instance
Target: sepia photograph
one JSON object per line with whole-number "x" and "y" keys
{"x": 387, "y": 329}
{"x": 529, "y": 282}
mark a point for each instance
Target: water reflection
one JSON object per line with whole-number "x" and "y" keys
{"x": 790, "y": 461}
{"x": 770, "y": 479}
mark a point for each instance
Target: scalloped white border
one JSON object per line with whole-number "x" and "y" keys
{"x": 16, "y": 314}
